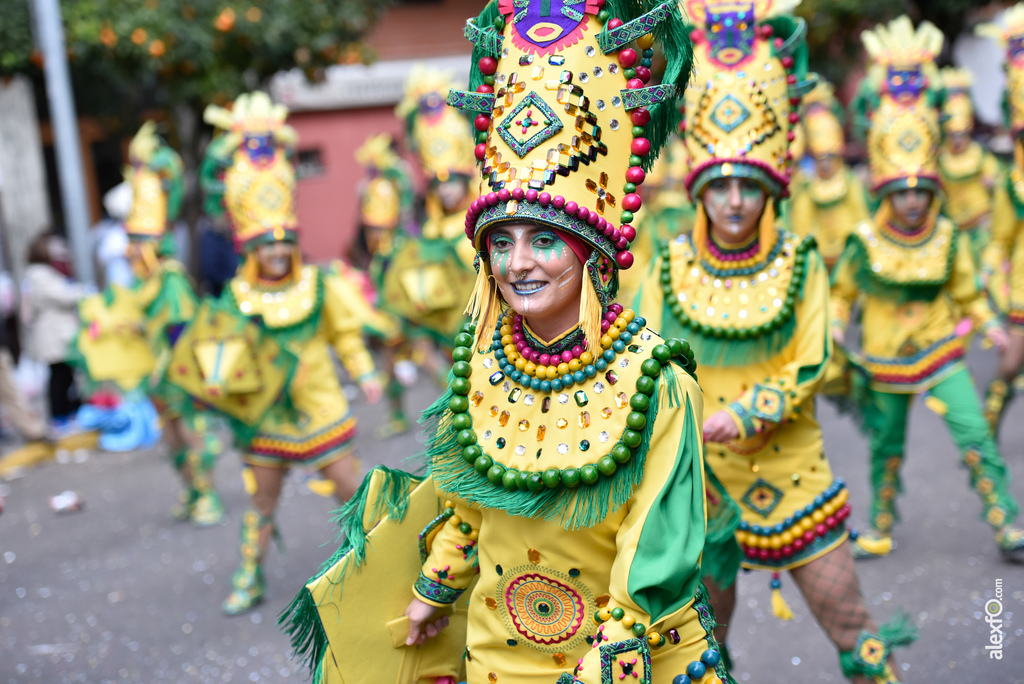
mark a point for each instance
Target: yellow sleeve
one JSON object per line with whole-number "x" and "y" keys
{"x": 844, "y": 289}
{"x": 656, "y": 570}
{"x": 778, "y": 397}
{"x": 452, "y": 561}
{"x": 965, "y": 286}
{"x": 344, "y": 328}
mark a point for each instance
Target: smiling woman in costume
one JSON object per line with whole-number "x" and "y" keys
{"x": 753, "y": 298}
{"x": 567, "y": 448}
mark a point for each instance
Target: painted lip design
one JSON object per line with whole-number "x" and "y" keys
{"x": 525, "y": 288}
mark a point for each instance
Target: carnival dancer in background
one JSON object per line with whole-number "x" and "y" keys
{"x": 912, "y": 272}
{"x": 968, "y": 171}
{"x": 159, "y": 306}
{"x": 831, "y": 200}
{"x": 386, "y": 201}
{"x": 1004, "y": 258}
{"x": 567, "y": 447}
{"x": 752, "y": 299}
{"x": 301, "y": 308}
{"x": 429, "y": 277}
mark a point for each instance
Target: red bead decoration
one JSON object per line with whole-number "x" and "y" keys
{"x": 481, "y": 122}
{"x": 635, "y": 175}
{"x": 640, "y": 146}
{"x": 640, "y": 116}
{"x": 484, "y": 88}
{"x": 488, "y": 66}
{"x": 632, "y": 201}
{"x": 627, "y": 57}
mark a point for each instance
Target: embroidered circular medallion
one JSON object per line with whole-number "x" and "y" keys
{"x": 544, "y": 610}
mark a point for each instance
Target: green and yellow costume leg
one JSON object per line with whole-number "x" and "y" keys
{"x": 247, "y": 584}
{"x": 955, "y": 399}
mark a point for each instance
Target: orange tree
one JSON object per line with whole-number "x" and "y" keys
{"x": 127, "y": 56}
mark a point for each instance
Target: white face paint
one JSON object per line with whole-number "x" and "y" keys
{"x": 538, "y": 275}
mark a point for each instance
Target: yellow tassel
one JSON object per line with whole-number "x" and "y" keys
{"x": 780, "y": 608}
{"x": 590, "y": 316}
{"x": 699, "y": 234}
{"x": 484, "y": 307}
{"x": 766, "y": 230}
{"x": 321, "y": 487}
{"x": 936, "y": 405}
{"x": 880, "y": 546}
{"x": 248, "y": 481}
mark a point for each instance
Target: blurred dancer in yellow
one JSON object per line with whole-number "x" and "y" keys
{"x": 1004, "y": 258}
{"x": 968, "y": 171}
{"x": 753, "y": 301}
{"x": 429, "y": 278}
{"x": 913, "y": 274}
{"x": 160, "y": 306}
{"x": 305, "y": 310}
{"x": 831, "y": 201}
{"x": 567, "y": 448}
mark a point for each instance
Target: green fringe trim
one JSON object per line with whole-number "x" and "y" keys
{"x": 723, "y": 352}
{"x": 674, "y": 36}
{"x": 722, "y": 553}
{"x": 483, "y": 21}
{"x": 899, "y": 631}
{"x": 579, "y": 508}
{"x": 878, "y": 285}
{"x": 300, "y": 620}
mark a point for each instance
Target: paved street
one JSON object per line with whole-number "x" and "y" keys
{"x": 120, "y": 592}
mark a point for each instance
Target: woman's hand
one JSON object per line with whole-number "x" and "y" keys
{"x": 720, "y": 428}
{"x": 421, "y": 627}
{"x": 371, "y": 390}
{"x": 998, "y": 337}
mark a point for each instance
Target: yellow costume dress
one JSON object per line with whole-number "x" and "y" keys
{"x": 559, "y": 472}
{"x": 307, "y": 313}
{"x": 968, "y": 177}
{"x": 826, "y": 208}
{"x": 914, "y": 285}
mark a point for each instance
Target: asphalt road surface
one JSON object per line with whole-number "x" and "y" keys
{"x": 119, "y": 592}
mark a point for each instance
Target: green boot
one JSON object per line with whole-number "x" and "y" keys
{"x": 247, "y": 584}
{"x": 187, "y": 497}
{"x": 207, "y": 508}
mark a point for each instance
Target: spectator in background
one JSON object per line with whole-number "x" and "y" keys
{"x": 13, "y": 406}
{"x": 49, "y": 309}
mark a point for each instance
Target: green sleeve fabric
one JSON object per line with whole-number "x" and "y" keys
{"x": 663, "y": 576}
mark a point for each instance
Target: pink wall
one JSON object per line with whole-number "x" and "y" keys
{"x": 327, "y": 205}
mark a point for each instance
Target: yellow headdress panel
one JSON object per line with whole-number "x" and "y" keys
{"x": 1010, "y": 34}
{"x": 382, "y": 199}
{"x": 957, "y": 111}
{"x": 741, "y": 104}
{"x": 259, "y": 180}
{"x": 822, "y": 126}
{"x": 439, "y": 134}
{"x": 155, "y": 174}
{"x": 904, "y": 135}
